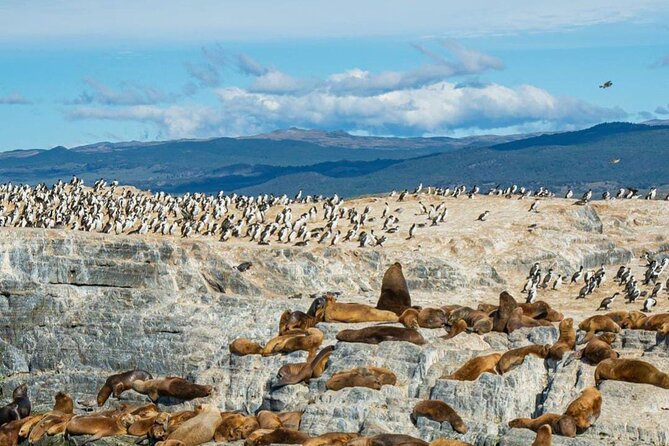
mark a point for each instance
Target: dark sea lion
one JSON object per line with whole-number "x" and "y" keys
{"x": 518, "y": 320}
{"x": 439, "y": 411}
{"x": 585, "y": 409}
{"x": 98, "y": 426}
{"x": 544, "y": 436}
{"x": 19, "y": 407}
{"x": 243, "y": 347}
{"x": 292, "y": 320}
{"x": 290, "y": 374}
{"x": 199, "y": 429}
{"x": 171, "y": 386}
{"x": 394, "y": 291}
{"x": 308, "y": 340}
{"x": 631, "y": 370}
{"x": 331, "y": 439}
{"x": 597, "y": 323}
{"x": 378, "y": 334}
{"x": 119, "y": 383}
{"x": 333, "y": 311}
{"x": 235, "y": 426}
{"x": 515, "y": 357}
{"x": 263, "y": 437}
{"x": 387, "y": 440}
{"x": 457, "y": 328}
{"x": 536, "y": 310}
{"x": 566, "y": 342}
{"x": 370, "y": 377}
{"x": 472, "y": 369}
{"x": 501, "y": 316}
{"x": 599, "y": 348}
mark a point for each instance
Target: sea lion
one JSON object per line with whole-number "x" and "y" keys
{"x": 171, "y": 386}
{"x": 308, "y": 340}
{"x": 119, "y": 383}
{"x": 9, "y": 432}
{"x": 585, "y": 409}
{"x": 456, "y": 329}
{"x": 597, "y": 323}
{"x": 657, "y": 322}
{"x": 329, "y": 310}
{"x": 448, "y": 442}
{"x": 620, "y": 316}
{"x": 302, "y": 372}
{"x": 409, "y": 318}
{"x": 501, "y": 316}
{"x": 478, "y": 321}
{"x": 331, "y": 439}
{"x": 473, "y": 368}
{"x": 199, "y": 429}
{"x": 566, "y": 342}
{"x": 631, "y": 370}
{"x": 487, "y": 308}
{"x": 599, "y": 348}
{"x": 290, "y": 420}
{"x": 544, "y": 436}
{"x": 52, "y": 421}
{"x": 378, "y": 334}
{"x": 541, "y": 310}
{"x": 268, "y": 420}
{"x": 292, "y": 320}
{"x": 431, "y": 318}
{"x": 263, "y": 437}
{"x": 439, "y": 411}
{"x": 387, "y": 440}
{"x": 98, "y": 426}
{"x": 235, "y": 426}
{"x": 19, "y": 407}
{"x": 370, "y": 377}
{"x": 515, "y": 357}
{"x": 634, "y": 320}
{"x": 243, "y": 347}
{"x": 560, "y": 424}
{"x": 518, "y": 320}
{"x": 394, "y": 291}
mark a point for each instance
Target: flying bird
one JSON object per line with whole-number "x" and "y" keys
{"x": 607, "y": 84}
{"x": 614, "y": 161}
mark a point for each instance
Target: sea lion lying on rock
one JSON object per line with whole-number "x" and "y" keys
{"x": 439, "y": 411}
{"x": 566, "y": 342}
{"x": 98, "y": 426}
{"x": 560, "y": 424}
{"x": 595, "y": 324}
{"x": 378, "y": 334}
{"x": 327, "y": 309}
{"x": 472, "y": 369}
{"x": 370, "y": 377}
{"x": 295, "y": 320}
{"x": 519, "y": 320}
{"x": 515, "y": 357}
{"x": 457, "y": 328}
{"x": 235, "y": 426}
{"x": 308, "y": 340}
{"x": 599, "y": 348}
{"x": 171, "y": 386}
{"x": 387, "y": 440}
{"x": 52, "y": 422}
{"x": 541, "y": 310}
{"x": 631, "y": 370}
{"x": 199, "y": 429}
{"x": 331, "y": 439}
{"x": 585, "y": 409}
{"x": 263, "y": 437}
{"x": 302, "y": 372}
{"x": 243, "y": 347}
{"x": 119, "y": 383}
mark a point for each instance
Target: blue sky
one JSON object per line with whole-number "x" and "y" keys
{"x": 77, "y": 72}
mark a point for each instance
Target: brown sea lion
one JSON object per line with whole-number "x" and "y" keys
{"x": 479, "y": 322}
{"x": 631, "y": 370}
{"x": 566, "y": 342}
{"x": 52, "y": 421}
{"x": 599, "y": 348}
{"x": 119, "y": 383}
{"x": 292, "y": 320}
{"x": 166, "y": 423}
{"x": 487, "y": 308}
{"x": 595, "y": 324}
{"x": 370, "y": 377}
{"x": 544, "y": 436}
{"x": 290, "y": 374}
{"x": 243, "y": 347}
{"x": 518, "y": 320}
{"x": 501, "y": 316}
{"x": 19, "y": 407}
{"x": 439, "y": 411}
{"x": 235, "y": 426}
{"x": 329, "y": 310}
{"x": 457, "y": 328}
{"x": 634, "y": 320}
{"x": 473, "y": 368}
{"x": 199, "y": 429}
{"x": 268, "y": 420}
{"x": 378, "y": 334}
{"x": 620, "y": 316}
{"x": 171, "y": 386}
{"x": 541, "y": 310}
{"x": 657, "y": 322}
{"x": 431, "y": 318}
{"x": 560, "y": 424}
{"x": 585, "y": 409}
{"x": 9, "y": 432}
{"x": 98, "y": 426}
{"x": 290, "y": 420}
{"x": 308, "y": 340}
{"x": 394, "y": 291}
{"x": 331, "y": 439}
{"x": 515, "y": 357}
{"x": 449, "y": 309}
{"x": 409, "y": 318}
{"x": 263, "y": 437}
{"x": 387, "y": 440}
{"x": 448, "y": 442}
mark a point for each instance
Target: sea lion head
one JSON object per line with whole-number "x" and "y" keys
{"x": 316, "y": 306}
{"x": 63, "y": 403}
{"x": 21, "y": 391}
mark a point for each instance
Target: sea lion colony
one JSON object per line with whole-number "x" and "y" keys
{"x": 299, "y": 331}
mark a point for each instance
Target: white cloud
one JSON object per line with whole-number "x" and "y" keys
{"x": 14, "y": 98}
{"x": 126, "y": 94}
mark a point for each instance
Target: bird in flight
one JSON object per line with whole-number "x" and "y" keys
{"x": 614, "y": 161}
{"x": 606, "y": 84}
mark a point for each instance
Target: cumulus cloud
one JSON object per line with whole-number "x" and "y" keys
{"x": 14, "y": 98}
{"x": 126, "y": 94}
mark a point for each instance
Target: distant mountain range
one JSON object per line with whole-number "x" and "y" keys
{"x": 316, "y": 161}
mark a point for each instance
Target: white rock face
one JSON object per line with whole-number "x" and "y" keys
{"x": 75, "y": 308}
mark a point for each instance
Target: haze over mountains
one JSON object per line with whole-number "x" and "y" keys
{"x": 316, "y": 161}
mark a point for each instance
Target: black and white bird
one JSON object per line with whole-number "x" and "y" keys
{"x": 577, "y": 275}
{"x": 484, "y": 216}
{"x": 558, "y": 282}
{"x": 648, "y": 304}
{"x": 607, "y": 302}
{"x": 412, "y": 231}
